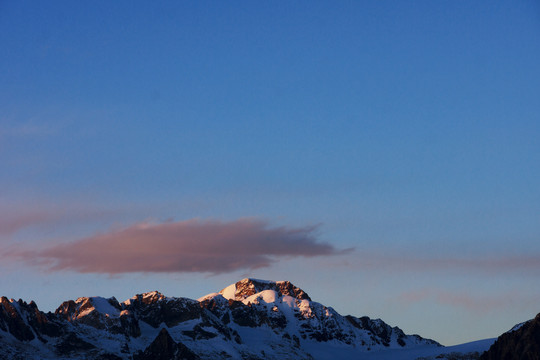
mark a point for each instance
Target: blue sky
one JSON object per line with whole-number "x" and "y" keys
{"x": 408, "y": 132}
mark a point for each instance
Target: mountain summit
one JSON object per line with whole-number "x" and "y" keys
{"x": 247, "y": 287}
{"x": 250, "y": 319}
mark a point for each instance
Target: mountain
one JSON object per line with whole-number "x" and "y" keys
{"x": 251, "y": 319}
{"x": 522, "y": 342}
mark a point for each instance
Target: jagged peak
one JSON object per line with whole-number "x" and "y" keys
{"x": 87, "y": 305}
{"x": 249, "y": 286}
{"x": 16, "y": 303}
{"x": 11, "y": 304}
{"x": 95, "y": 299}
{"x": 146, "y": 298}
{"x": 107, "y": 306}
{"x": 153, "y": 295}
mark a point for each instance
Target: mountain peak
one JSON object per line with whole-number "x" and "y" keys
{"x": 95, "y": 306}
{"x": 249, "y": 286}
{"x": 146, "y": 298}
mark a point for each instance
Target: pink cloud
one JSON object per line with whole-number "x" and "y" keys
{"x": 11, "y": 223}
{"x": 184, "y": 246}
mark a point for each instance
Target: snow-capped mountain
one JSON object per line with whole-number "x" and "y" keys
{"x": 251, "y": 319}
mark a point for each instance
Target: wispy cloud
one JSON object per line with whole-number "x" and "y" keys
{"x": 481, "y": 304}
{"x": 27, "y": 130}
{"x": 44, "y": 214}
{"x": 11, "y": 223}
{"x": 493, "y": 263}
{"x": 183, "y": 246}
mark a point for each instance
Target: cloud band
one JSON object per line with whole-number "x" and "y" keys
{"x": 183, "y": 246}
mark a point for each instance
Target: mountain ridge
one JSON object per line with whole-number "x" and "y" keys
{"x": 250, "y": 319}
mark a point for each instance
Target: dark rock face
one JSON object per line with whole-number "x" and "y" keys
{"x": 12, "y": 321}
{"x": 520, "y": 344}
{"x": 23, "y": 320}
{"x": 42, "y": 324}
{"x": 155, "y": 310}
{"x": 198, "y": 333}
{"x": 67, "y": 309}
{"x": 382, "y": 332}
{"x": 72, "y": 344}
{"x": 165, "y": 348}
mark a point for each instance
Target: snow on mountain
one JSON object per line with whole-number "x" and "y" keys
{"x": 251, "y": 319}
{"x": 244, "y": 288}
{"x": 517, "y": 326}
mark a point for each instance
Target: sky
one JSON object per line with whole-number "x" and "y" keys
{"x": 381, "y": 155}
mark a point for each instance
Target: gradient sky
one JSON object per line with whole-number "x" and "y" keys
{"x": 384, "y": 156}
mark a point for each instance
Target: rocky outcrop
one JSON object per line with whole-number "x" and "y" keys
{"x": 522, "y": 343}
{"x": 383, "y": 333}
{"x": 154, "y": 309}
